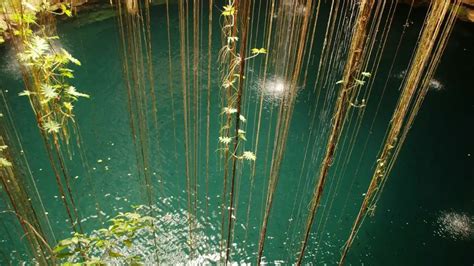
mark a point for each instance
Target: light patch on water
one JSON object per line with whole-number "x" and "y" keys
{"x": 273, "y": 89}
{"x": 434, "y": 84}
{"x": 11, "y": 66}
{"x": 457, "y": 226}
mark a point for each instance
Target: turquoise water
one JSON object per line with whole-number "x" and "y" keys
{"x": 430, "y": 188}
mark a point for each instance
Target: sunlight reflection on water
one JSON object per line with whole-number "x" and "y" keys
{"x": 457, "y": 226}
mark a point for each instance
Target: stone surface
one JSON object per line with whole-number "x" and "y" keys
{"x": 465, "y": 13}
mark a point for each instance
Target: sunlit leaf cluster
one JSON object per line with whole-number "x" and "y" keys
{"x": 115, "y": 244}
{"x": 230, "y": 81}
{"x": 51, "y": 94}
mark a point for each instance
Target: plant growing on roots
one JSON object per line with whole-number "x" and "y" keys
{"x": 113, "y": 244}
{"x": 49, "y": 91}
{"x": 230, "y": 80}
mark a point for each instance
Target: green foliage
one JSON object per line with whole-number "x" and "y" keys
{"x": 231, "y": 78}
{"x": 229, "y": 10}
{"x": 3, "y": 161}
{"x": 358, "y": 82}
{"x": 248, "y": 155}
{"x": 114, "y": 243}
{"x": 50, "y": 92}
{"x": 259, "y": 51}
{"x": 366, "y": 74}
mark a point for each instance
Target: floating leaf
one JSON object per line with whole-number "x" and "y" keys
{"x": 340, "y": 81}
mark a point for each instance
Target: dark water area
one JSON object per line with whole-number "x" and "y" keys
{"x": 425, "y": 215}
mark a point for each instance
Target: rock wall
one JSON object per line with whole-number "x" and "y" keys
{"x": 465, "y": 13}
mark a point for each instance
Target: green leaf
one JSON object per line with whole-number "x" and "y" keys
{"x": 48, "y": 92}
{"x": 114, "y": 254}
{"x": 225, "y": 140}
{"x": 71, "y": 264}
{"x": 366, "y": 74}
{"x": 37, "y": 47}
{"x": 248, "y": 155}
{"x": 53, "y": 127}
{"x": 65, "y": 242}
{"x": 64, "y": 255}
{"x": 25, "y": 93}
{"x": 29, "y": 18}
{"x": 70, "y": 57}
{"x": 242, "y": 136}
{"x": 99, "y": 243}
{"x": 59, "y": 248}
{"x": 65, "y": 10}
{"x": 232, "y": 39}
{"x": 128, "y": 243}
{"x": 229, "y": 10}
{"x": 5, "y": 163}
{"x": 75, "y": 240}
{"x": 229, "y": 110}
{"x": 73, "y": 92}
{"x": 259, "y": 51}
